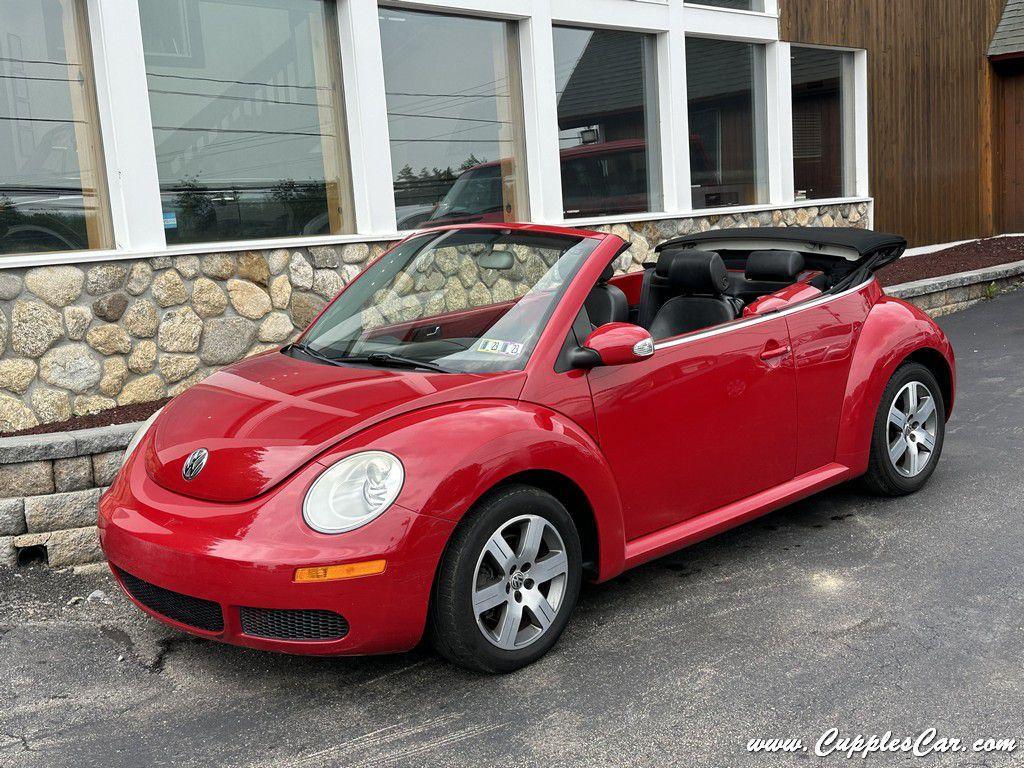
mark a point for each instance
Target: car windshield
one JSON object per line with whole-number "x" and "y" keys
{"x": 458, "y": 300}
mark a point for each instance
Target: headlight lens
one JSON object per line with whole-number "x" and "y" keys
{"x": 353, "y": 492}
{"x": 138, "y": 437}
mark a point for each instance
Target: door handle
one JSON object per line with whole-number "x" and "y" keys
{"x": 771, "y": 353}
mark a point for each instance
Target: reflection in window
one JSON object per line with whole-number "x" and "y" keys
{"x": 738, "y": 5}
{"x": 820, "y": 151}
{"x": 605, "y": 86}
{"x": 247, "y": 118}
{"x": 725, "y": 92}
{"x": 454, "y": 113}
{"x": 52, "y": 192}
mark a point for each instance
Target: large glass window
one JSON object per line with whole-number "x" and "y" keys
{"x": 247, "y": 118}
{"x": 605, "y": 85}
{"x": 454, "y": 113}
{"x": 820, "y": 126}
{"x": 725, "y": 92}
{"x": 737, "y": 5}
{"x": 52, "y": 192}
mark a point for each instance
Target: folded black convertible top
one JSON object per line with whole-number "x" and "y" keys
{"x": 849, "y": 243}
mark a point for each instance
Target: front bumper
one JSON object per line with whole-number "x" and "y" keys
{"x": 244, "y": 556}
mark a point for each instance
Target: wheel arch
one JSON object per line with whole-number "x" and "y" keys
{"x": 573, "y": 498}
{"x": 935, "y": 362}
{"x": 893, "y": 333}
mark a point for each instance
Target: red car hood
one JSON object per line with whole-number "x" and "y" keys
{"x": 263, "y": 418}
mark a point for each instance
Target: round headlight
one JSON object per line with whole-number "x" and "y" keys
{"x": 353, "y": 492}
{"x": 138, "y": 437}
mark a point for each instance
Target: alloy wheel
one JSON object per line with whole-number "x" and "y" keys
{"x": 520, "y": 581}
{"x": 912, "y": 429}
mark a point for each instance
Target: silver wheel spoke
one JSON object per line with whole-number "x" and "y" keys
{"x": 555, "y": 564}
{"x": 925, "y": 439}
{"x": 532, "y": 539}
{"x": 897, "y": 417}
{"x": 913, "y": 459}
{"x": 508, "y": 628}
{"x": 541, "y": 609}
{"x": 925, "y": 411}
{"x": 501, "y": 551}
{"x": 912, "y": 398}
{"x": 489, "y": 597}
{"x": 897, "y": 449}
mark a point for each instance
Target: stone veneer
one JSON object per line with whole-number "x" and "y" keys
{"x": 49, "y": 489}
{"x": 79, "y": 339}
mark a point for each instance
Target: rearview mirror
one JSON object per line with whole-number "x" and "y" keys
{"x": 614, "y": 344}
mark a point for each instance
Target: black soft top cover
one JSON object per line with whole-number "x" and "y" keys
{"x": 849, "y": 243}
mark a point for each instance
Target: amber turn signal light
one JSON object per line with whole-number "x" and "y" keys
{"x": 336, "y": 572}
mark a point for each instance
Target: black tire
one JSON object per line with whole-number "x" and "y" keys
{"x": 883, "y": 478}
{"x": 454, "y": 629}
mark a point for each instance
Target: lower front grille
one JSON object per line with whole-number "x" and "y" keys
{"x": 191, "y": 611}
{"x": 278, "y": 624}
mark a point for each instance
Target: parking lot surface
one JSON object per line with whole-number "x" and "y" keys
{"x": 866, "y": 614}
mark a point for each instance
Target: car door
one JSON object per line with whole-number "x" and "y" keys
{"x": 824, "y": 337}
{"x": 708, "y": 420}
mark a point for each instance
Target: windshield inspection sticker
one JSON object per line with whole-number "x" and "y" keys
{"x": 499, "y": 347}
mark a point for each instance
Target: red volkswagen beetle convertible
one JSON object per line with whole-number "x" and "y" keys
{"x": 489, "y": 414}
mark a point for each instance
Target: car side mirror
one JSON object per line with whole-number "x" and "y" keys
{"x": 614, "y": 344}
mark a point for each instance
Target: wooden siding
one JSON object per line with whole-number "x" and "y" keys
{"x": 930, "y": 96}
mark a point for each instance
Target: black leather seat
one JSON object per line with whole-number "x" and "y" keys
{"x": 766, "y": 272}
{"x": 774, "y": 266}
{"x": 605, "y": 303}
{"x": 687, "y": 292}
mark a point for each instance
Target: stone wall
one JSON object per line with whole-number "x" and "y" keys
{"x": 49, "y": 489}
{"x": 951, "y": 293}
{"x": 79, "y": 339}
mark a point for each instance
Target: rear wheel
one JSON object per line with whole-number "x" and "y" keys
{"x": 908, "y": 434}
{"x": 508, "y": 582}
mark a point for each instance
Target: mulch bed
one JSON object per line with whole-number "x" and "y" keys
{"x": 123, "y": 414}
{"x": 960, "y": 258}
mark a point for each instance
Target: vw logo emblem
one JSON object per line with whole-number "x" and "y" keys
{"x": 194, "y": 463}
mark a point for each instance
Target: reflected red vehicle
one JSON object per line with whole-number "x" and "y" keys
{"x": 489, "y": 415}
{"x": 597, "y": 179}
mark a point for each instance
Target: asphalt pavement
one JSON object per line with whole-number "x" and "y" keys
{"x": 847, "y": 611}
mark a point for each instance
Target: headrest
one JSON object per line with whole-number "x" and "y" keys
{"x": 700, "y": 272}
{"x": 774, "y": 266}
{"x": 608, "y": 274}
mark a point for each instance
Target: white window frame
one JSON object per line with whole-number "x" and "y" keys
{"x": 128, "y": 145}
{"x": 854, "y": 121}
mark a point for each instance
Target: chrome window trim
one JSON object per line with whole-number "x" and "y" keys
{"x": 679, "y": 340}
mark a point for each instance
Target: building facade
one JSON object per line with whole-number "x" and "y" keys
{"x": 946, "y": 105}
{"x": 187, "y": 182}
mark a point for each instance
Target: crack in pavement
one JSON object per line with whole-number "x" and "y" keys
{"x": 166, "y": 647}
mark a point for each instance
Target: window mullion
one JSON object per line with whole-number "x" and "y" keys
{"x": 367, "y": 113}
{"x": 125, "y": 124}
{"x": 858, "y": 105}
{"x": 675, "y": 130}
{"x": 779, "y": 123}
{"x": 540, "y": 115}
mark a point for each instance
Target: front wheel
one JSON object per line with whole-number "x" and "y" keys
{"x": 908, "y": 434}
{"x": 508, "y": 581}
